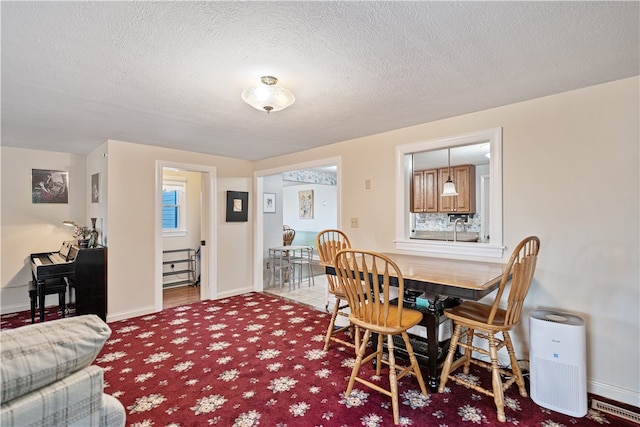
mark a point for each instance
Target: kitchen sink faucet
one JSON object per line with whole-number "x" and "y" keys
{"x": 455, "y": 228}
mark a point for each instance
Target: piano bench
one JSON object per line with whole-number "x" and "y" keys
{"x": 52, "y": 286}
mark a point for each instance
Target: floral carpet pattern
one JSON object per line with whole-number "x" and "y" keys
{"x": 257, "y": 360}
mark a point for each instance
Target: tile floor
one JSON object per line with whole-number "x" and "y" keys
{"x": 314, "y": 295}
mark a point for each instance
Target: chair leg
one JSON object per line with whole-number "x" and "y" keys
{"x": 312, "y": 281}
{"x": 515, "y": 368}
{"x": 498, "y": 396}
{"x": 415, "y": 366}
{"x": 62, "y": 302}
{"x": 70, "y": 290}
{"x": 33, "y": 300}
{"x": 332, "y": 323}
{"x": 393, "y": 379}
{"x": 446, "y": 367}
{"x": 361, "y": 347}
{"x": 468, "y": 351}
{"x": 379, "y": 353}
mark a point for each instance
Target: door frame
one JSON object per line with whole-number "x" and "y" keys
{"x": 258, "y": 223}
{"x": 208, "y": 230}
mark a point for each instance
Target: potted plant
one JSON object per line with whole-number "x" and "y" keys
{"x": 82, "y": 232}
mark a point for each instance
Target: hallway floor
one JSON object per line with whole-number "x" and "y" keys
{"x": 314, "y": 295}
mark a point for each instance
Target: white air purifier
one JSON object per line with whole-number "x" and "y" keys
{"x": 558, "y": 362}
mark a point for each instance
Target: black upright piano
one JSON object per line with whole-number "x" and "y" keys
{"x": 84, "y": 268}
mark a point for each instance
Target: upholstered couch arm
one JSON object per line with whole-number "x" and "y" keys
{"x": 72, "y": 401}
{"x": 113, "y": 413}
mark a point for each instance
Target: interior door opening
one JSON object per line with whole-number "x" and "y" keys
{"x": 185, "y": 236}
{"x": 307, "y": 200}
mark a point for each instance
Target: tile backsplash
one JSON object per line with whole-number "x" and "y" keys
{"x": 440, "y": 222}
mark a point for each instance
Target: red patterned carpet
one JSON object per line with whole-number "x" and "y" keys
{"x": 255, "y": 359}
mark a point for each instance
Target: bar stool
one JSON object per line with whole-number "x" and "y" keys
{"x": 279, "y": 267}
{"x": 305, "y": 259}
{"x": 52, "y": 286}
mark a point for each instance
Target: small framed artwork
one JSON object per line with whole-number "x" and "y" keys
{"x": 305, "y": 204}
{"x": 237, "y": 206}
{"x": 95, "y": 188}
{"x": 49, "y": 186}
{"x": 269, "y": 203}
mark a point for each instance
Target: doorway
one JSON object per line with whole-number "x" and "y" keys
{"x": 285, "y": 187}
{"x": 190, "y": 236}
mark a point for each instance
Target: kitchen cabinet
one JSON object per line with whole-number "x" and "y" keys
{"x": 424, "y": 193}
{"x": 427, "y": 188}
{"x": 464, "y": 178}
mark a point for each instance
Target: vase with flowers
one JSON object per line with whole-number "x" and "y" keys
{"x": 82, "y": 232}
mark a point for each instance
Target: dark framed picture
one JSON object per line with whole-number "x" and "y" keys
{"x": 237, "y": 206}
{"x": 95, "y": 188}
{"x": 49, "y": 186}
{"x": 269, "y": 203}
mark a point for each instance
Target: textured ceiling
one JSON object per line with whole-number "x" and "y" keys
{"x": 170, "y": 73}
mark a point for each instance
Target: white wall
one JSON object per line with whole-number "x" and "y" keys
{"x": 235, "y": 241}
{"x": 571, "y": 176}
{"x": 28, "y": 228}
{"x": 97, "y": 164}
{"x": 132, "y": 267}
{"x": 127, "y": 208}
{"x": 324, "y": 207}
{"x": 273, "y": 222}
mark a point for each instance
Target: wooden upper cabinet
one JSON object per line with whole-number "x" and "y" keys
{"x": 427, "y": 189}
{"x": 464, "y": 178}
{"x": 424, "y": 197}
{"x": 417, "y": 192}
{"x": 431, "y": 189}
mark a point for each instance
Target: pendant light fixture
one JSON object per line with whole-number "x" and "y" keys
{"x": 267, "y": 96}
{"x": 449, "y": 188}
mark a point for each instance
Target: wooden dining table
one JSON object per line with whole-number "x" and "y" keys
{"x": 444, "y": 283}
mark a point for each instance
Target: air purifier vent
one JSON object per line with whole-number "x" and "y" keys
{"x": 565, "y": 392}
{"x": 557, "y": 317}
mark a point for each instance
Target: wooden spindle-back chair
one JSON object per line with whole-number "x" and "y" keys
{"x": 328, "y": 243}
{"x": 366, "y": 278}
{"x": 485, "y": 321}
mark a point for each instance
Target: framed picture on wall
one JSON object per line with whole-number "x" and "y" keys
{"x": 237, "y": 206}
{"x": 305, "y": 204}
{"x": 49, "y": 186}
{"x": 269, "y": 203}
{"x": 95, "y": 188}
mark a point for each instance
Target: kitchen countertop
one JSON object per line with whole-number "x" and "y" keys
{"x": 463, "y": 236}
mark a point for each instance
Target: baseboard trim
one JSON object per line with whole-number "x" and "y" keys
{"x": 123, "y": 315}
{"x": 612, "y": 392}
{"x": 234, "y": 292}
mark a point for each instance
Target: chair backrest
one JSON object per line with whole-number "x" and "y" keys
{"x": 365, "y": 277}
{"x": 328, "y": 244}
{"x": 287, "y": 236}
{"x": 520, "y": 269}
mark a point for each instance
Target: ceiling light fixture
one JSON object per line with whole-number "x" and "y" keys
{"x": 267, "y": 96}
{"x": 449, "y": 188}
